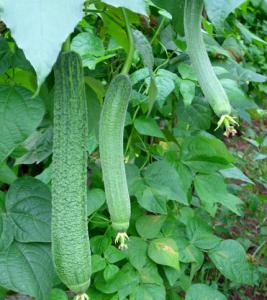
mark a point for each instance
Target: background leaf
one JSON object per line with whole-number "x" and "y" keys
{"x": 38, "y": 34}
{"x": 20, "y": 115}
{"x": 28, "y": 205}
{"x": 36, "y": 271}
{"x": 230, "y": 259}
{"x": 203, "y": 292}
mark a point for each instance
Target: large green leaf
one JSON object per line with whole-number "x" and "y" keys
{"x": 218, "y": 10}
{"x": 203, "y": 292}
{"x": 176, "y": 9}
{"x": 200, "y": 235}
{"x": 211, "y": 189}
{"x": 20, "y": 115}
{"x": 205, "y": 154}
{"x": 149, "y": 226}
{"x": 148, "y": 126}
{"x": 39, "y": 28}
{"x": 90, "y": 48}
{"x": 137, "y": 6}
{"x": 113, "y": 254}
{"x": 27, "y": 269}
{"x": 229, "y": 258}
{"x": 150, "y": 201}
{"x": 164, "y": 252}
{"x": 165, "y": 181}
{"x": 137, "y": 252}
{"x": 195, "y": 116}
{"x": 28, "y": 205}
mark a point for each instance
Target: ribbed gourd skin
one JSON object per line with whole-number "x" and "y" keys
{"x": 111, "y": 151}
{"x": 209, "y": 83}
{"x": 70, "y": 240}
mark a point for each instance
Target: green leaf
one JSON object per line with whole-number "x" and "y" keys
{"x": 205, "y": 154}
{"x": 58, "y": 294}
{"x": 110, "y": 271}
{"x": 239, "y": 100}
{"x": 235, "y": 173}
{"x": 36, "y": 271}
{"x": 211, "y": 189}
{"x": 195, "y": 116}
{"x": 134, "y": 181}
{"x": 176, "y": 9}
{"x": 164, "y": 252}
{"x": 95, "y": 199}
{"x": 136, "y": 252}
{"x": 126, "y": 276}
{"x": 187, "y": 89}
{"x": 20, "y": 115}
{"x": 191, "y": 254}
{"x": 203, "y": 292}
{"x": 113, "y": 21}
{"x": 200, "y": 234}
{"x": 113, "y": 255}
{"x": 149, "y": 226}
{"x": 187, "y": 72}
{"x": 218, "y": 10}
{"x": 96, "y": 86}
{"x": 6, "y": 232}
{"x": 137, "y": 6}
{"x": 139, "y": 75}
{"x": 39, "y": 35}
{"x": 148, "y": 126}
{"x": 98, "y": 263}
{"x": 242, "y": 74}
{"x": 149, "y": 274}
{"x": 6, "y": 174}
{"x": 165, "y": 181}
{"x": 248, "y": 35}
{"x": 165, "y": 85}
{"x": 89, "y": 46}
{"x": 95, "y": 109}
{"x": 46, "y": 175}
{"x": 149, "y": 292}
{"x": 151, "y": 202}
{"x": 100, "y": 243}
{"x": 28, "y": 206}
{"x": 39, "y": 146}
{"x": 229, "y": 258}
{"x": 144, "y": 48}
{"x": 172, "y": 274}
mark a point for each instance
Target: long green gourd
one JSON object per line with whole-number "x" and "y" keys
{"x": 111, "y": 130}
{"x": 209, "y": 83}
{"x": 111, "y": 154}
{"x": 70, "y": 240}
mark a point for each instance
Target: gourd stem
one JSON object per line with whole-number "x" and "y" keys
{"x": 128, "y": 62}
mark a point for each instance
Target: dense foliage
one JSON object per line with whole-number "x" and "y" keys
{"x": 198, "y": 197}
